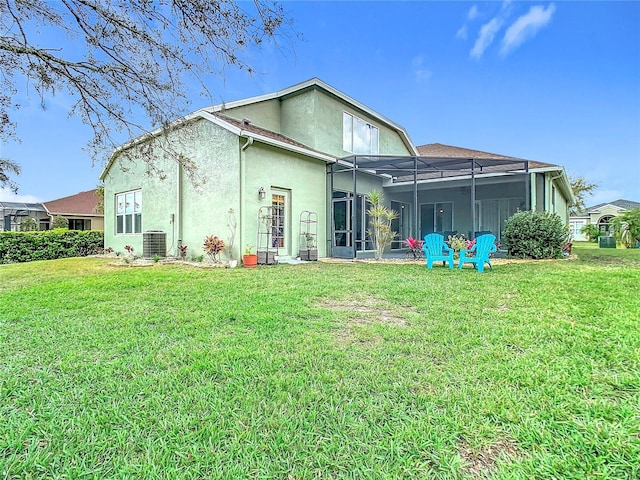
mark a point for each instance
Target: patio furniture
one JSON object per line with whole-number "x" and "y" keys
{"x": 435, "y": 250}
{"x": 478, "y": 255}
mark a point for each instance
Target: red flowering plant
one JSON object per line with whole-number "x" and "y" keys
{"x": 415, "y": 247}
{"x": 213, "y": 246}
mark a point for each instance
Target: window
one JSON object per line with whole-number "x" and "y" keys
{"x": 278, "y": 226}
{"x": 603, "y": 224}
{"x": 129, "y": 212}
{"x": 79, "y": 224}
{"x": 358, "y": 136}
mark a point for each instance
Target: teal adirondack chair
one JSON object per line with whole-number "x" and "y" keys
{"x": 485, "y": 244}
{"x": 436, "y": 250}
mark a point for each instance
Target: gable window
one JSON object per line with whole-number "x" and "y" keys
{"x": 129, "y": 212}
{"x": 358, "y": 136}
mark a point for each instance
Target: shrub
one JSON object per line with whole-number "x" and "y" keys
{"x": 591, "y": 231}
{"x": 213, "y": 246}
{"x": 48, "y": 245}
{"x": 534, "y": 235}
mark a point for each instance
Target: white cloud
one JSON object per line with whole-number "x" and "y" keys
{"x": 422, "y": 74}
{"x": 485, "y": 37}
{"x": 526, "y": 27}
{"x": 462, "y": 32}
{"x": 603, "y": 196}
{"x": 7, "y": 195}
{"x": 471, "y": 15}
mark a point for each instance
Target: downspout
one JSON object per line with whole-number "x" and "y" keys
{"x": 528, "y": 191}
{"x": 474, "y": 219}
{"x": 243, "y": 172}
{"x": 178, "y": 220}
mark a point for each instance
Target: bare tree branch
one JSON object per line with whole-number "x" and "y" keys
{"x": 135, "y": 58}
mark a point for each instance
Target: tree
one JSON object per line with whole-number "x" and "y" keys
{"x": 99, "y": 193}
{"x": 28, "y": 225}
{"x": 60, "y": 222}
{"x": 380, "y": 223}
{"x": 7, "y": 167}
{"x": 581, "y": 188}
{"x": 133, "y": 58}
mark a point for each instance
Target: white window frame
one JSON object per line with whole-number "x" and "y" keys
{"x": 349, "y": 139}
{"x": 128, "y": 212}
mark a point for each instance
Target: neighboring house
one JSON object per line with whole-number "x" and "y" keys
{"x": 600, "y": 215}
{"x": 311, "y": 148}
{"x": 12, "y": 214}
{"x": 80, "y": 209}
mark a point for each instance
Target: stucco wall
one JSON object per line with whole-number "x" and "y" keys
{"x": 263, "y": 114}
{"x": 314, "y": 117}
{"x": 304, "y": 180}
{"x": 202, "y": 209}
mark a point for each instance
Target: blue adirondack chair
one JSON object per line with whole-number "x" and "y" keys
{"x": 436, "y": 250}
{"x": 485, "y": 244}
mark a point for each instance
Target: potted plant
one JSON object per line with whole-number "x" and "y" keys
{"x": 308, "y": 250}
{"x": 457, "y": 243}
{"x": 249, "y": 259}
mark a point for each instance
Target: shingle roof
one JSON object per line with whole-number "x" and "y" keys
{"x": 250, "y": 127}
{"x": 438, "y": 150}
{"x": 83, "y": 203}
{"x": 625, "y": 204}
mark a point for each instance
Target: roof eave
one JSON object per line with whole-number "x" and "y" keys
{"x": 319, "y": 83}
{"x": 205, "y": 115}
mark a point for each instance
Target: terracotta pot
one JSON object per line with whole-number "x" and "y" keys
{"x": 249, "y": 260}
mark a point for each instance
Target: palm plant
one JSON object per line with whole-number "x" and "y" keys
{"x": 380, "y": 223}
{"x": 626, "y": 227}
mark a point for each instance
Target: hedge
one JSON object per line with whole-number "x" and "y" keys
{"x": 49, "y": 245}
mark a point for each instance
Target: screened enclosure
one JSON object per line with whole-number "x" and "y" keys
{"x": 463, "y": 196}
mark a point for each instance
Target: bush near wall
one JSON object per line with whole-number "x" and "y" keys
{"x": 48, "y": 245}
{"x": 534, "y": 235}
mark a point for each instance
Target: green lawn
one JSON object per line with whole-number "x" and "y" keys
{"x": 332, "y": 371}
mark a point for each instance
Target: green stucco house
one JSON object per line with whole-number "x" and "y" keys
{"x": 301, "y": 161}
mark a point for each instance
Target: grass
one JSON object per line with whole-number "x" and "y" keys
{"x": 345, "y": 371}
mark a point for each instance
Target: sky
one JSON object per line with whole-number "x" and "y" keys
{"x": 555, "y": 82}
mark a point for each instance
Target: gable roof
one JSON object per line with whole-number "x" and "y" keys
{"x": 317, "y": 83}
{"x": 83, "y": 203}
{"x": 621, "y": 204}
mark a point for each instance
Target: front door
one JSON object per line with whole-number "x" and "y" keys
{"x": 342, "y": 241}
